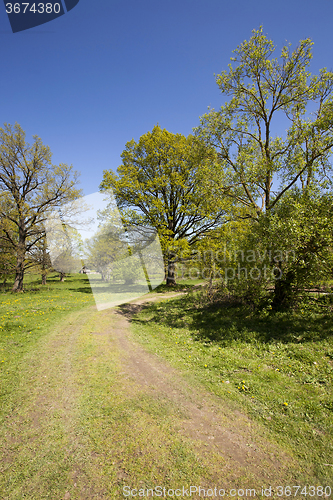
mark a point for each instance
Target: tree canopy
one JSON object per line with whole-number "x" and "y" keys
{"x": 256, "y": 166}
{"x": 158, "y": 185}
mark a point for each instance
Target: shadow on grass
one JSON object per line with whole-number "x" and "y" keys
{"x": 33, "y": 283}
{"x": 112, "y": 288}
{"x": 226, "y": 323}
{"x": 81, "y": 289}
{"x": 163, "y": 288}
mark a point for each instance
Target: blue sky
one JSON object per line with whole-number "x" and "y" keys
{"x": 108, "y": 71}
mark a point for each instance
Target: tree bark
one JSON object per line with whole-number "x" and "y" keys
{"x": 44, "y": 262}
{"x": 171, "y": 279}
{"x": 62, "y": 277}
{"x": 19, "y": 270}
{"x": 283, "y": 291}
{"x": 18, "y": 283}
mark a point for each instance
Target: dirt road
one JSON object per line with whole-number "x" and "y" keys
{"x": 95, "y": 413}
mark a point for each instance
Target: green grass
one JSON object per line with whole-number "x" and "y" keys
{"x": 181, "y": 285}
{"x": 278, "y": 367}
{"x": 26, "y": 317}
{"x": 129, "y": 432}
{"x": 83, "y": 429}
{"x": 33, "y": 445}
{"x": 70, "y": 421}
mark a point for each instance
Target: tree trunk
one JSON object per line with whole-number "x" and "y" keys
{"x": 44, "y": 262}
{"x": 283, "y": 291}
{"x": 171, "y": 279}
{"x": 20, "y": 258}
{"x": 62, "y": 277}
{"x": 19, "y": 271}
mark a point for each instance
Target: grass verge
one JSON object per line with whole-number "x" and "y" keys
{"x": 72, "y": 426}
{"x": 277, "y": 368}
{"x": 28, "y": 316}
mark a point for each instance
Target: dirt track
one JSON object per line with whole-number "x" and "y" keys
{"x": 210, "y": 422}
{"x": 93, "y": 357}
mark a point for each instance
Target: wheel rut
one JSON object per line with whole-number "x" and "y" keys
{"x": 211, "y": 424}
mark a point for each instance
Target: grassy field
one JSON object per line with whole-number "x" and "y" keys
{"x": 73, "y": 426}
{"x": 277, "y": 367}
{"x": 26, "y": 317}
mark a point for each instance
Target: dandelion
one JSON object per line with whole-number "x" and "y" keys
{"x": 285, "y": 404}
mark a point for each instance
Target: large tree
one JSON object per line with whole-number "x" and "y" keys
{"x": 256, "y": 164}
{"x": 159, "y": 185}
{"x": 273, "y": 134}
{"x": 30, "y": 187}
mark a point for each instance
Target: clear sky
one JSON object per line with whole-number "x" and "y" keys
{"x": 109, "y": 70}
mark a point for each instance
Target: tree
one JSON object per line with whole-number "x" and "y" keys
{"x": 31, "y": 186}
{"x": 7, "y": 264}
{"x": 299, "y": 232}
{"x": 255, "y": 166}
{"x": 40, "y": 258}
{"x": 254, "y": 163}
{"x": 64, "y": 242}
{"x": 104, "y": 249}
{"x": 7, "y": 260}
{"x": 158, "y": 185}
